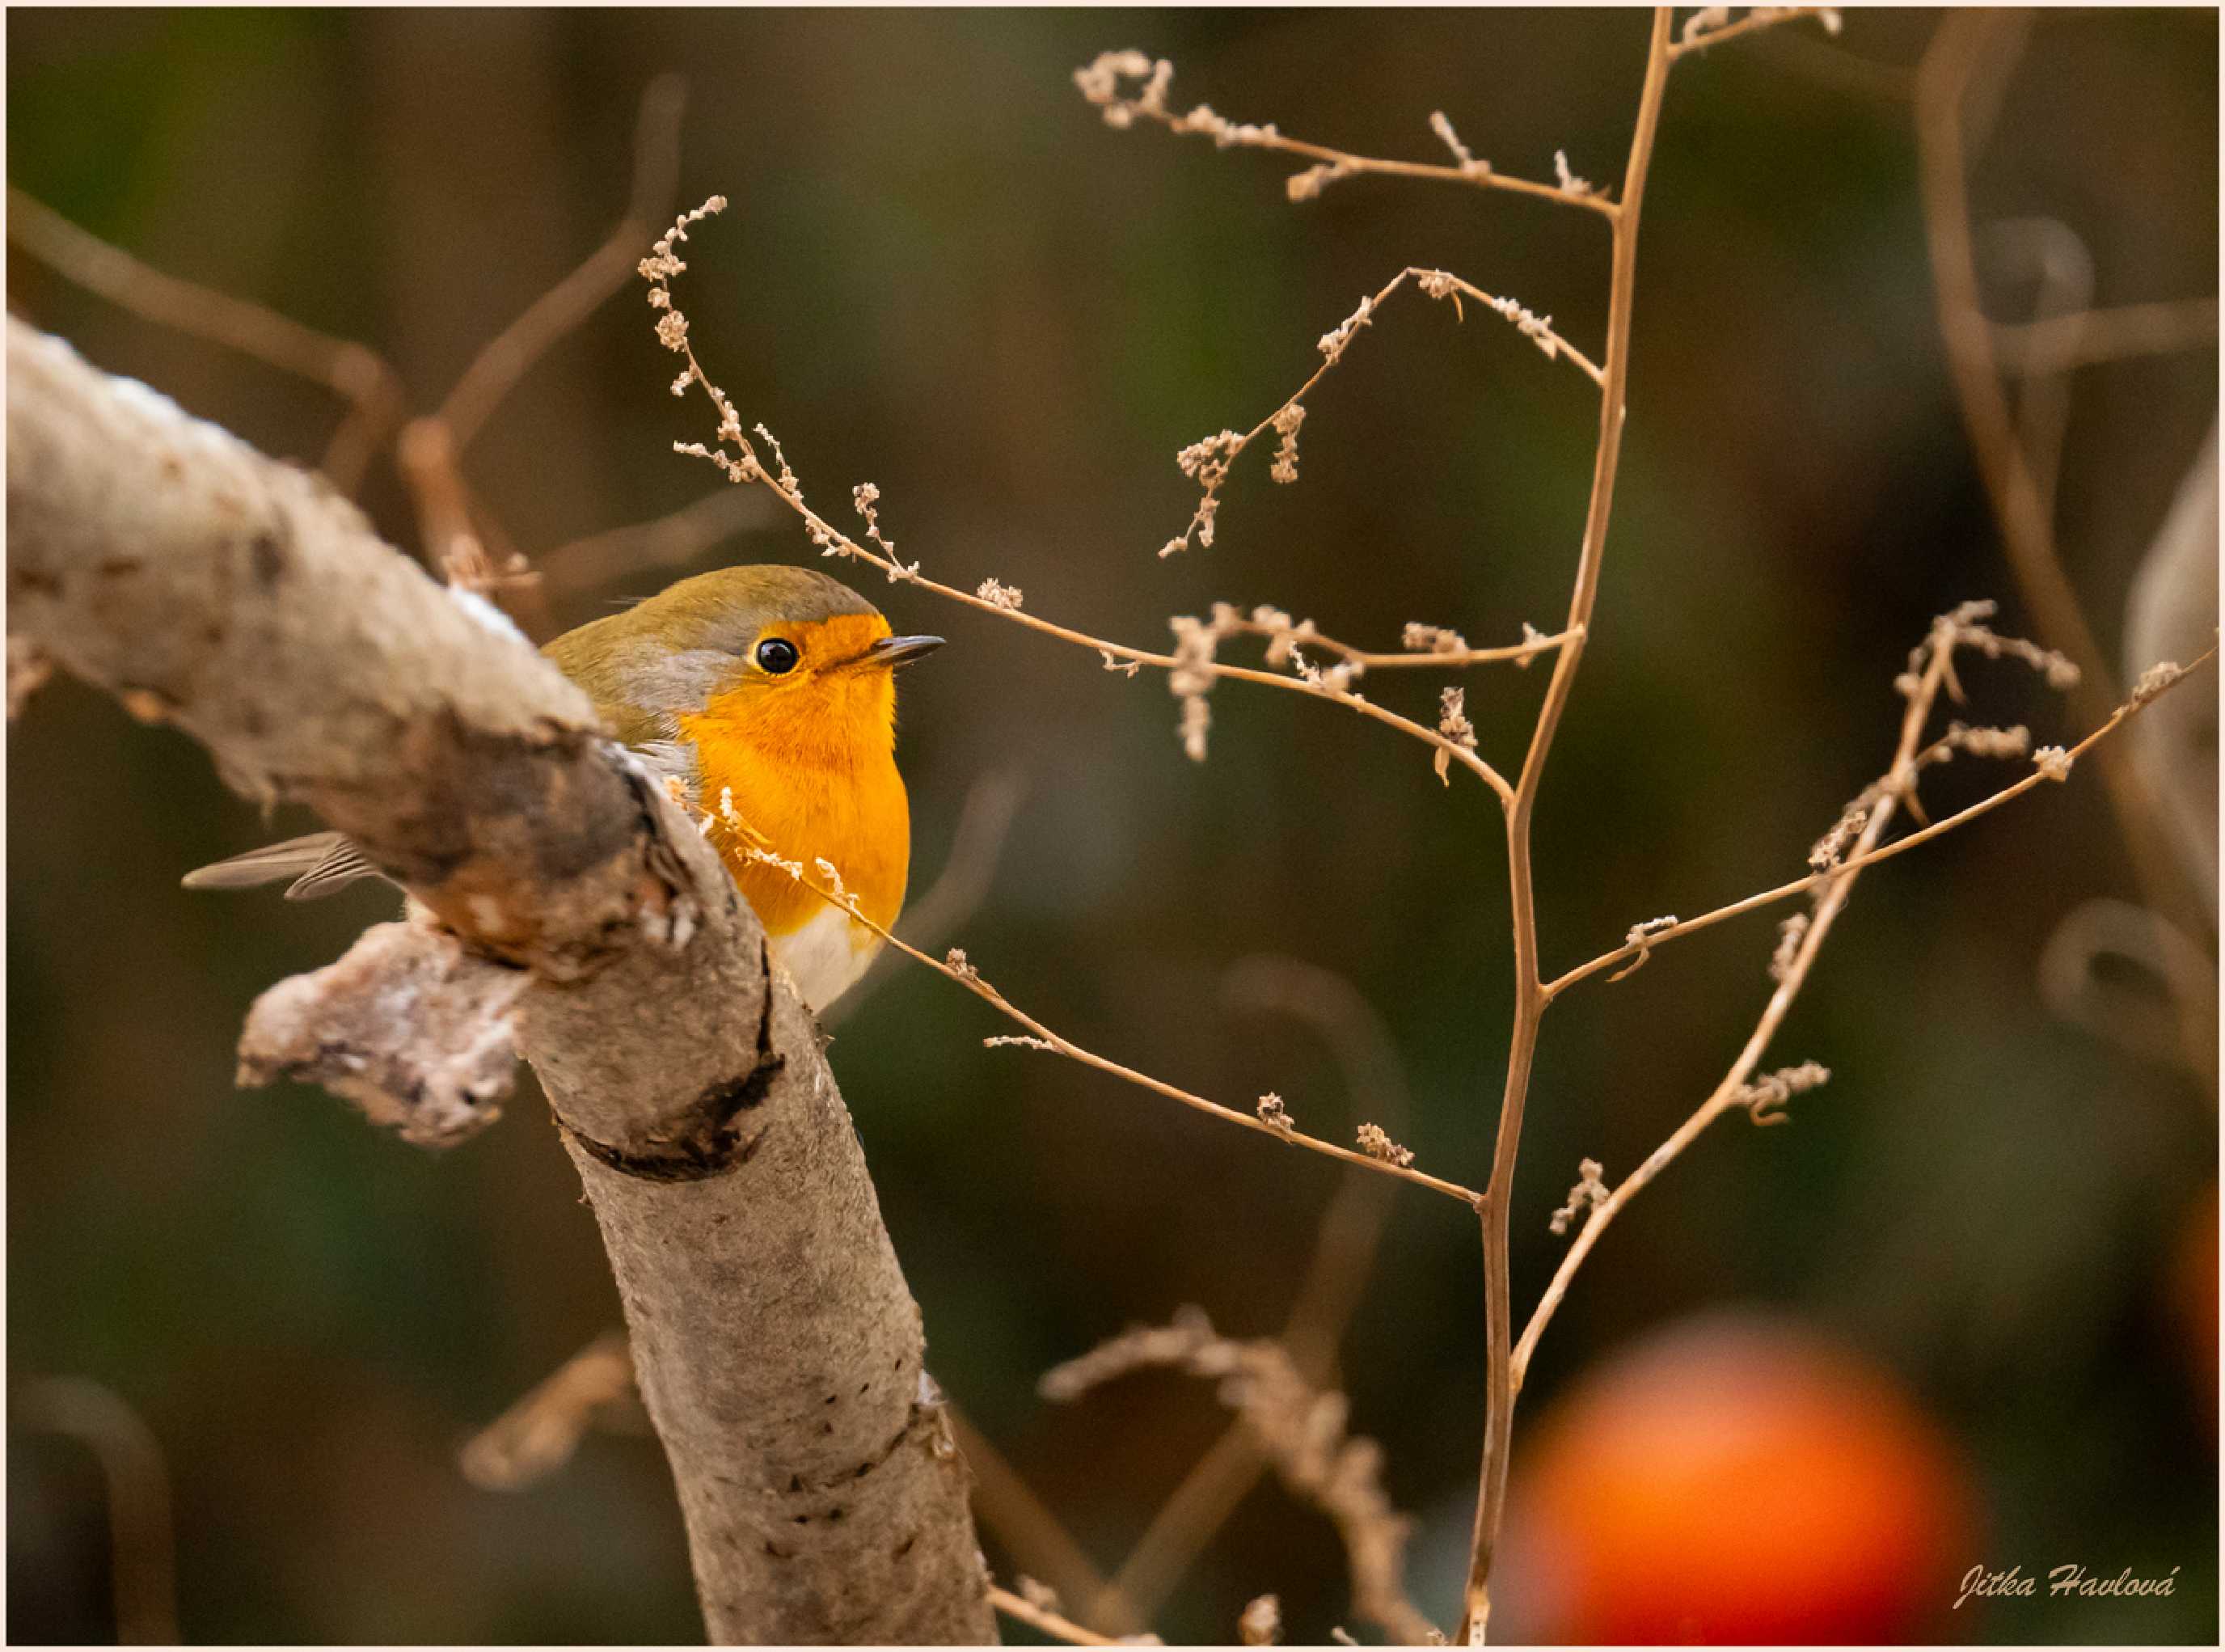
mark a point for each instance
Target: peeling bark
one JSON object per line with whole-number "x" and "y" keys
{"x": 412, "y": 1028}
{"x": 567, "y": 905}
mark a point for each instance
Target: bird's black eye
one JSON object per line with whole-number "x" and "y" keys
{"x": 777, "y": 655}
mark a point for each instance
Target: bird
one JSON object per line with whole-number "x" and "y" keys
{"x": 767, "y": 693}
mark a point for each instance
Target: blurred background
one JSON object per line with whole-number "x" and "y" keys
{"x": 1963, "y": 1308}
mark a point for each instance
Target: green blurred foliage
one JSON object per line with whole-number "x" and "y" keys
{"x": 942, "y": 272}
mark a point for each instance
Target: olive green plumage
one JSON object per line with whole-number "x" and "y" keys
{"x": 665, "y": 656}
{"x": 672, "y": 652}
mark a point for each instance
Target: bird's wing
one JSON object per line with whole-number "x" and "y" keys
{"x": 326, "y": 862}
{"x": 320, "y": 864}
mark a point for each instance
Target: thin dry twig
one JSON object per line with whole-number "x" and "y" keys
{"x": 1194, "y": 668}
{"x": 1050, "y": 1623}
{"x": 744, "y": 465}
{"x": 1871, "y": 856}
{"x": 1950, "y": 65}
{"x": 539, "y": 1434}
{"x": 1795, "y": 958}
{"x": 1712, "y": 25}
{"x": 1528, "y": 992}
{"x": 1300, "y": 1427}
{"x": 354, "y": 372}
{"x": 456, "y": 534}
{"x": 957, "y": 967}
{"x": 934, "y": 920}
{"x": 1100, "y": 81}
{"x": 1031, "y": 1535}
{"x": 1335, "y": 1277}
{"x": 662, "y": 543}
{"x": 1209, "y": 462}
{"x": 430, "y": 449}
{"x": 1968, "y": 48}
{"x": 497, "y": 368}
{"x": 2087, "y": 338}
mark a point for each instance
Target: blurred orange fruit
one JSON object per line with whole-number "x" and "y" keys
{"x": 1737, "y": 1479}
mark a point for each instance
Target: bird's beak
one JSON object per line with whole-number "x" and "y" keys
{"x": 893, "y": 651}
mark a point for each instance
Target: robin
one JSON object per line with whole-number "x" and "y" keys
{"x": 770, "y": 694}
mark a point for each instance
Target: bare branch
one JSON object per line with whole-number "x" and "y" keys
{"x": 653, "y": 546}
{"x": 1797, "y": 955}
{"x": 1301, "y": 1430}
{"x": 415, "y": 1030}
{"x": 430, "y": 448}
{"x": 932, "y": 921}
{"x": 1856, "y": 862}
{"x": 957, "y": 968}
{"x": 1042, "y": 1617}
{"x": 142, "y": 1537}
{"x": 1528, "y": 992}
{"x": 162, "y": 559}
{"x": 1100, "y": 82}
{"x": 1973, "y": 50}
{"x": 2086, "y": 338}
{"x": 1210, "y": 460}
{"x": 358, "y": 375}
{"x": 664, "y": 264}
{"x": 538, "y": 1436}
{"x": 496, "y": 371}
{"x": 1344, "y": 1251}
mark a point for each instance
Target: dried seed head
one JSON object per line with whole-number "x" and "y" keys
{"x": 1587, "y": 1196}
{"x": 1831, "y": 848}
{"x": 1285, "y": 467}
{"x": 1041, "y": 1596}
{"x": 1762, "y": 1098}
{"x": 1376, "y": 1144}
{"x": 2155, "y": 680}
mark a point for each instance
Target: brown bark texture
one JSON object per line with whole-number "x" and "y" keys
{"x": 563, "y": 908}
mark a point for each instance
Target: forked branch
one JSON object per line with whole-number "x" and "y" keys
{"x": 1804, "y": 935}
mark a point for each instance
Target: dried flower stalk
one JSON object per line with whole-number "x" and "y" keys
{"x": 1127, "y": 86}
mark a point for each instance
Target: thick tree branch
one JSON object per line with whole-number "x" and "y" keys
{"x": 779, "y": 1351}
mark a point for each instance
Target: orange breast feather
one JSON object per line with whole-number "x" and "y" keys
{"x": 815, "y": 777}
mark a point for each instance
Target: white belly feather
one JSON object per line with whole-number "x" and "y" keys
{"x": 826, "y": 957}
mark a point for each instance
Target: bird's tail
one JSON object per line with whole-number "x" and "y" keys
{"x": 322, "y": 863}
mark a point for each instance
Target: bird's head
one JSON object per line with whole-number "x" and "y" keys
{"x": 777, "y": 656}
